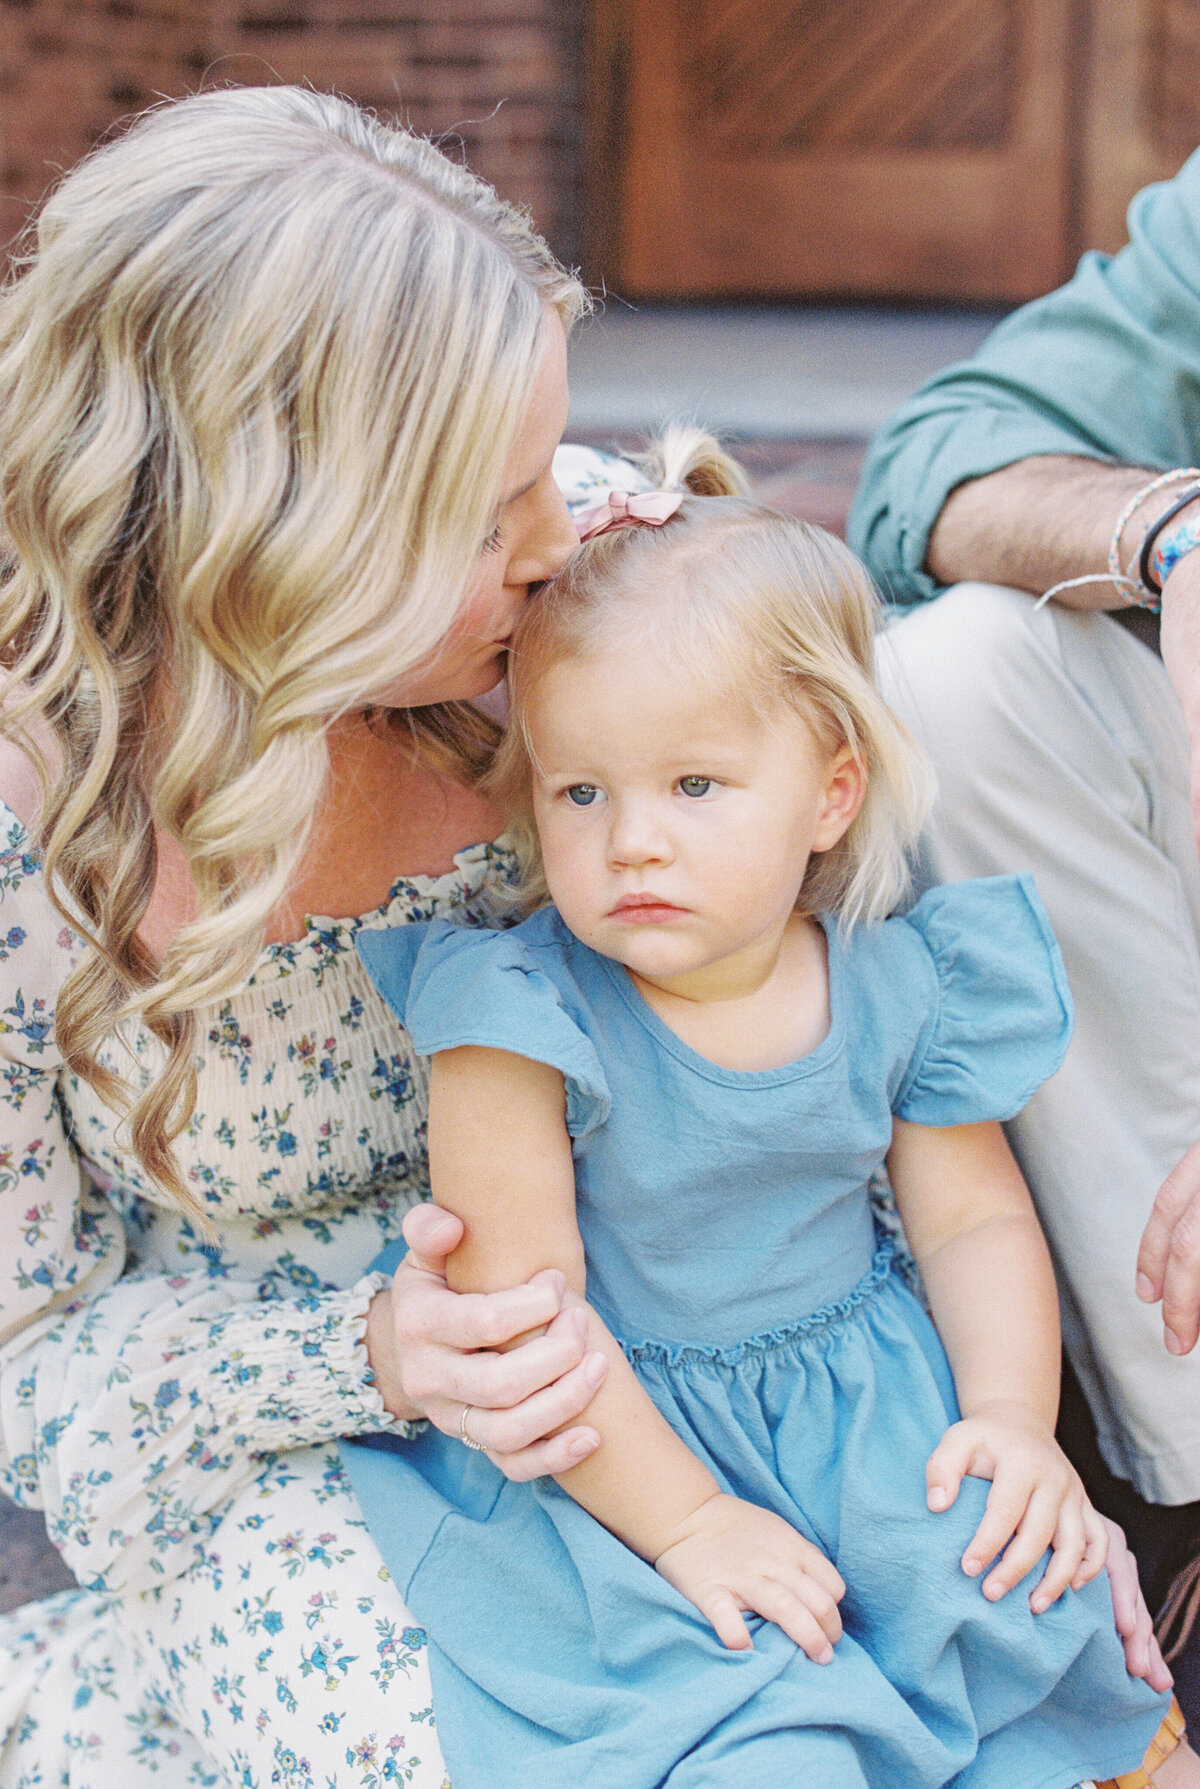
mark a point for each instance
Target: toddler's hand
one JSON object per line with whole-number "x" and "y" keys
{"x": 732, "y": 1556}
{"x": 1037, "y": 1500}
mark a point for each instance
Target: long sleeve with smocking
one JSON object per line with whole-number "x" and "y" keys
{"x": 133, "y": 1403}
{"x": 1107, "y": 367}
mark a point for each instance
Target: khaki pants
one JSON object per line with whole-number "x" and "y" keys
{"x": 1059, "y": 749}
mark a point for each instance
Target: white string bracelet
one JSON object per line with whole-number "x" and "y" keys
{"x": 1128, "y": 586}
{"x": 1138, "y": 592}
{"x": 1128, "y": 582}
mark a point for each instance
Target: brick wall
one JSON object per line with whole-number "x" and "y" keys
{"x": 500, "y": 77}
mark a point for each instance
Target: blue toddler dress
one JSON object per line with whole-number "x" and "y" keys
{"x": 730, "y": 1248}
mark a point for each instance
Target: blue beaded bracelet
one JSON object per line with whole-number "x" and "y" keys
{"x": 1174, "y": 547}
{"x": 1154, "y": 545}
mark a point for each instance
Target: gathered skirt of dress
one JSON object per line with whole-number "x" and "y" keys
{"x": 560, "y": 1657}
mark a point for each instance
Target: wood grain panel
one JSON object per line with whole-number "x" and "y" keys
{"x": 852, "y": 74}
{"x": 1171, "y": 97}
{"x": 1141, "y": 113}
{"x": 907, "y": 148}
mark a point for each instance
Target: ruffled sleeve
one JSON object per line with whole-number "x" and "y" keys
{"x": 450, "y": 985}
{"x": 1002, "y": 1018}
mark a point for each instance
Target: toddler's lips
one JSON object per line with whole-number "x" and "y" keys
{"x": 645, "y": 910}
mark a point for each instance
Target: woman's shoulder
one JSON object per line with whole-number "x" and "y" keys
{"x": 20, "y": 788}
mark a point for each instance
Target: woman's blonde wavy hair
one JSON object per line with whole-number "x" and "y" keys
{"x": 760, "y": 607}
{"x": 260, "y": 371}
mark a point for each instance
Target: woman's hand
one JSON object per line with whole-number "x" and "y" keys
{"x": 433, "y": 1354}
{"x": 1037, "y": 1500}
{"x": 733, "y": 1556}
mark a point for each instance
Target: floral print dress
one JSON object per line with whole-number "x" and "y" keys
{"x": 173, "y": 1402}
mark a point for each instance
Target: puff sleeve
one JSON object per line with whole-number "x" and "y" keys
{"x": 1002, "y": 1013}
{"x": 451, "y": 985}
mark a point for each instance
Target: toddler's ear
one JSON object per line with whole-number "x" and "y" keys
{"x": 845, "y": 786}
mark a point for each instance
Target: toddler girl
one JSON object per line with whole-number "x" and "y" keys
{"x": 696, "y": 1059}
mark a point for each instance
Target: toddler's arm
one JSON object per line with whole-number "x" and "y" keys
{"x": 976, "y": 1239}
{"x": 500, "y": 1158}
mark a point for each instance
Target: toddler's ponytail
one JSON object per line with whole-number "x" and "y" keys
{"x": 686, "y": 458}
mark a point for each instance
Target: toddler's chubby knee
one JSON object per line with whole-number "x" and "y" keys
{"x": 954, "y": 667}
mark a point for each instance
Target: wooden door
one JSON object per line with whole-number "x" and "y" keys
{"x": 894, "y": 147}
{"x": 1141, "y": 111}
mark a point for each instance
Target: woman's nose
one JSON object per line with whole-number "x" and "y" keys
{"x": 547, "y": 541}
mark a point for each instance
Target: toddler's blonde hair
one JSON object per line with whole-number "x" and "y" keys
{"x": 259, "y": 378}
{"x": 765, "y": 609}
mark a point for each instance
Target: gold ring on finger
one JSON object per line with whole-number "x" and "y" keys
{"x": 475, "y": 1446}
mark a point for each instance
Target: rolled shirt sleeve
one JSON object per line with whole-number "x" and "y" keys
{"x": 1107, "y": 367}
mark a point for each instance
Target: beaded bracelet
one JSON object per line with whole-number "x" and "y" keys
{"x": 1139, "y": 591}
{"x": 1176, "y": 546}
{"x": 1156, "y": 557}
{"x": 1152, "y": 538}
{"x": 1127, "y": 582}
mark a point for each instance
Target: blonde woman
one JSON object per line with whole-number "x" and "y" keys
{"x": 279, "y": 393}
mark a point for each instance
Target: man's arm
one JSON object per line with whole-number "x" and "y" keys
{"x": 1100, "y": 377}
{"x": 1038, "y": 523}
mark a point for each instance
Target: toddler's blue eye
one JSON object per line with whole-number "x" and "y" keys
{"x": 695, "y": 785}
{"x": 582, "y": 794}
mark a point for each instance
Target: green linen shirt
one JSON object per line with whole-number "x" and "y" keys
{"x": 1108, "y": 367}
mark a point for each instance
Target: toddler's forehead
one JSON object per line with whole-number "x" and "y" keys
{"x": 648, "y": 704}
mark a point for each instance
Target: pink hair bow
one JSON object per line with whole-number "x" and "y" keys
{"x": 621, "y": 508}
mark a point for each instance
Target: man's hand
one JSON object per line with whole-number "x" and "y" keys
{"x": 733, "y": 1556}
{"x": 1168, "y": 1265}
{"x": 434, "y": 1351}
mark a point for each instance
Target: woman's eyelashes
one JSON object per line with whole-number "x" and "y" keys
{"x": 492, "y": 543}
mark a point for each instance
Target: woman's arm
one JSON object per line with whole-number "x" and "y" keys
{"x": 517, "y": 1201}
{"x": 975, "y": 1237}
